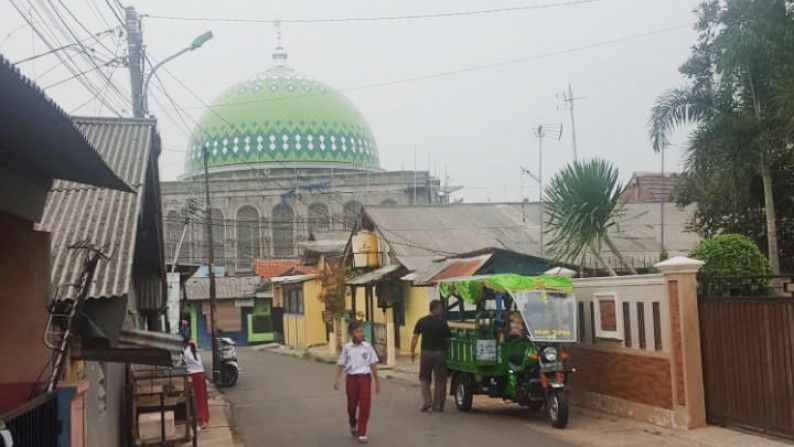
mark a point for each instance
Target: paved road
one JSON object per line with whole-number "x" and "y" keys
{"x": 285, "y": 401}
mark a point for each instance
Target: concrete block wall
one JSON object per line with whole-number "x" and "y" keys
{"x": 649, "y": 366}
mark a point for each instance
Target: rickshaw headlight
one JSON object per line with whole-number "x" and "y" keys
{"x": 550, "y": 354}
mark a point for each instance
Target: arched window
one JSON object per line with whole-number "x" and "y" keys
{"x": 319, "y": 219}
{"x": 352, "y": 212}
{"x": 389, "y": 202}
{"x": 283, "y": 233}
{"x": 218, "y": 237}
{"x": 247, "y": 237}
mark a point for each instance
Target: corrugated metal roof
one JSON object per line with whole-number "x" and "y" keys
{"x": 419, "y": 235}
{"x": 227, "y": 287}
{"x": 375, "y": 275}
{"x": 450, "y": 268}
{"x": 169, "y": 343}
{"x": 75, "y": 212}
{"x": 39, "y": 135}
{"x": 291, "y": 279}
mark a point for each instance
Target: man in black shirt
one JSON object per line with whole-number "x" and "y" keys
{"x": 435, "y": 332}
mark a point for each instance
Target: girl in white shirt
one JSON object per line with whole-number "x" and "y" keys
{"x": 359, "y": 361}
{"x": 195, "y": 369}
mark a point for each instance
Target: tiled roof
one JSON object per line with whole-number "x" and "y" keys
{"x": 269, "y": 268}
{"x": 650, "y": 187}
{"x": 226, "y": 287}
{"x": 77, "y": 212}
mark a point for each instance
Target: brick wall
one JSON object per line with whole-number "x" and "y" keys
{"x": 637, "y": 378}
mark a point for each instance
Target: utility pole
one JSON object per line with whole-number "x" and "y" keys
{"x": 135, "y": 49}
{"x": 210, "y": 264}
{"x": 569, "y": 100}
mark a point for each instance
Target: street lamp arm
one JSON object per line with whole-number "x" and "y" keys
{"x": 154, "y": 70}
{"x": 197, "y": 43}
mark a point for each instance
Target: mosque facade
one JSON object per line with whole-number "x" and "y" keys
{"x": 289, "y": 159}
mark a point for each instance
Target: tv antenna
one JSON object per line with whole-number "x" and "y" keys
{"x": 553, "y": 131}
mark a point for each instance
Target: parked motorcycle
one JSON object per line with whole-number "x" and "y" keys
{"x": 227, "y": 354}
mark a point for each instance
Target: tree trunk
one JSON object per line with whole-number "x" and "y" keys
{"x": 769, "y": 209}
{"x": 620, "y": 256}
{"x": 604, "y": 263}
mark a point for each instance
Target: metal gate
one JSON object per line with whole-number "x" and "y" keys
{"x": 748, "y": 362}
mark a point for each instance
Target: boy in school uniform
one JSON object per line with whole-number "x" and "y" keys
{"x": 359, "y": 361}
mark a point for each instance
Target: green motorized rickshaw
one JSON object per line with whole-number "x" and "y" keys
{"x": 510, "y": 338}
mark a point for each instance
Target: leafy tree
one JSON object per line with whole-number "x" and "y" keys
{"x": 740, "y": 96}
{"x": 582, "y": 204}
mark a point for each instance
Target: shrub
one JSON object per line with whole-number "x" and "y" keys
{"x": 734, "y": 265}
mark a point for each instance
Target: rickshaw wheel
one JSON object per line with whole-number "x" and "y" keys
{"x": 463, "y": 392}
{"x": 558, "y": 409}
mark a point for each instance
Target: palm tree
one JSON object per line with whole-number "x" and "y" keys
{"x": 735, "y": 71}
{"x": 582, "y": 205}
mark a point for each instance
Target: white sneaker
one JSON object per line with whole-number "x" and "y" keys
{"x": 363, "y": 440}
{"x": 354, "y": 432}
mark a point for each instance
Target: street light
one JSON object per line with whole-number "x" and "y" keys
{"x": 197, "y": 43}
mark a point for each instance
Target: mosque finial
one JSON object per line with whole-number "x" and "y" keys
{"x": 279, "y": 55}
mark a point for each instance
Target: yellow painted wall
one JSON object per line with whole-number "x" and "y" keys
{"x": 416, "y": 301}
{"x": 313, "y": 311}
{"x": 302, "y": 331}
{"x": 294, "y": 331}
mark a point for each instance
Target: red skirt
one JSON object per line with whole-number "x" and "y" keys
{"x": 200, "y": 397}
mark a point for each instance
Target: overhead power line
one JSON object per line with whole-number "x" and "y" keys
{"x": 381, "y": 18}
{"x": 458, "y": 71}
{"x": 52, "y": 42}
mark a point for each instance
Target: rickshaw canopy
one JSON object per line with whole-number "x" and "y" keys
{"x": 470, "y": 289}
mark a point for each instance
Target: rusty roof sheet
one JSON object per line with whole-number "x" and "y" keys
{"x": 450, "y": 268}
{"x": 269, "y": 268}
{"x": 76, "y": 212}
{"x": 226, "y": 287}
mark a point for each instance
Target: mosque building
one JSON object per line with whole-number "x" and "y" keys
{"x": 288, "y": 157}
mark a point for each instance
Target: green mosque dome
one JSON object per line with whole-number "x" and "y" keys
{"x": 282, "y": 119}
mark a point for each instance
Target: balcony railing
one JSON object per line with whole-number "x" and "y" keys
{"x": 34, "y": 423}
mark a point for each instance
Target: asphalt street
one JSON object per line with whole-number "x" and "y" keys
{"x": 286, "y": 401}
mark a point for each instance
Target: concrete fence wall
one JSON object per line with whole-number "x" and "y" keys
{"x": 639, "y": 350}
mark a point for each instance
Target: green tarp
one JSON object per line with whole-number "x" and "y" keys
{"x": 471, "y": 290}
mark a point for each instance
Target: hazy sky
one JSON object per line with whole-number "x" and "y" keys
{"x": 476, "y": 125}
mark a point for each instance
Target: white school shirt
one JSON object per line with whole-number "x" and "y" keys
{"x": 357, "y": 358}
{"x": 192, "y": 364}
